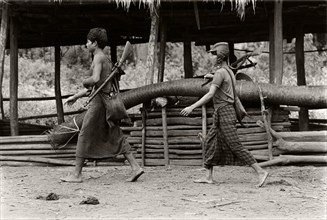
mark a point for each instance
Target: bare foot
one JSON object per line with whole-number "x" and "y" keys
{"x": 72, "y": 179}
{"x": 204, "y": 180}
{"x": 135, "y": 175}
{"x": 262, "y": 178}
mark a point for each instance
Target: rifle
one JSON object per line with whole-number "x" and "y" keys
{"x": 127, "y": 50}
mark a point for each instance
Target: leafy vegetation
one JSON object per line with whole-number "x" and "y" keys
{"x": 36, "y": 71}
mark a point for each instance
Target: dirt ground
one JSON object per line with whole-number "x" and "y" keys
{"x": 291, "y": 192}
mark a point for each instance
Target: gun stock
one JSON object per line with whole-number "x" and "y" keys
{"x": 127, "y": 50}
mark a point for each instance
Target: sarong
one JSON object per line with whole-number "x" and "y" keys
{"x": 99, "y": 138}
{"x": 222, "y": 145}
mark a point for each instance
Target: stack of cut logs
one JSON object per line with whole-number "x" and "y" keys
{"x": 165, "y": 127}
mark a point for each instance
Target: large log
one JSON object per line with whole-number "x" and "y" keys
{"x": 288, "y": 159}
{"x": 311, "y": 97}
{"x": 37, "y": 159}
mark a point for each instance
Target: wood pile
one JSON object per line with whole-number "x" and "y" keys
{"x": 166, "y": 129}
{"x": 297, "y": 148}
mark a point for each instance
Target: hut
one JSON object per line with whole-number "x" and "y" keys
{"x": 55, "y": 23}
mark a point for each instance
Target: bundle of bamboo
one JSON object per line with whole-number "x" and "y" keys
{"x": 164, "y": 137}
{"x": 37, "y": 150}
{"x": 33, "y": 150}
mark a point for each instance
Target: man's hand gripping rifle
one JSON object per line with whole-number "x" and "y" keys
{"x": 127, "y": 50}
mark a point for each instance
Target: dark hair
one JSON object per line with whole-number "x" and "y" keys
{"x": 99, "y": 35}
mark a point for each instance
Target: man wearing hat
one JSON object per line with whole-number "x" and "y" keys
{"x": 222, "y": 145}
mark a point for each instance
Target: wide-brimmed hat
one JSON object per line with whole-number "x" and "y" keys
{"x": 221, "y": 46}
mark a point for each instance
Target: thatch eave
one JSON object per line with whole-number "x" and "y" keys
{"x": 237, "y": 5}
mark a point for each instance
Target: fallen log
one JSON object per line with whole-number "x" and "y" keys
{"x": 289, "y": 159}
{"x": 24, "y": 139}
{"x": 301, "y": 147}
{"x": 297, "y": 147}
{"x": 21, "y": 164}
{"x": 303, "y": 136}
{"x": 43, "y": 152}
{"x": 44, "y": 146}
{"x": 37, "y": 159}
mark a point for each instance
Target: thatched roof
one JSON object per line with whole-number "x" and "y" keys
{"x": 66, "y": 22}
{"x": 238, "y": 5}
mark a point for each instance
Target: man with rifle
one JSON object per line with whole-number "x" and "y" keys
{"x": 99, "y": 138}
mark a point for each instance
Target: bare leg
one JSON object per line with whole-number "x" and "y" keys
{"x": 261, "y": 173}
{"x": 76, "y": 177}
{"x": 137, "y": 171}
{"x": 208, "y": 178}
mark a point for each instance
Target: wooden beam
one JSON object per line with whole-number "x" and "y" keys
{"x": 13, "y": 77}
{"x": 188, "y": 69}
{"x": 276, "y": 44}
{"x": 3, "y": 40}
{"x": 301, "y": 81}
{"x": 163, "y": 38}
{"x": 60, "y": 109}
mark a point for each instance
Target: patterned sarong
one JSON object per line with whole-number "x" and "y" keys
{"x": 222, "y": 145}
{"x": 99, "y": 138}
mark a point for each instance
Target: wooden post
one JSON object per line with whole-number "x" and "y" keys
{"x": 188, "y": 59}
{"x": 13, "y": 77}
{"x": 143, "y": 112}
{"x": 231, "y": 53}
{"x": 276, "y": 44}
{"x": 275, "y": 48}
{"x": 3, "y": 41}
{"x": 113, "y": 53}
{"x": 152, "y": 47}
{"x": 299, "y": 54}
{"x": 197, "y": 15}
{"x": 165, "y": 135}
{"x": 163, "y": 37}
{"x": 60, "y": 109}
